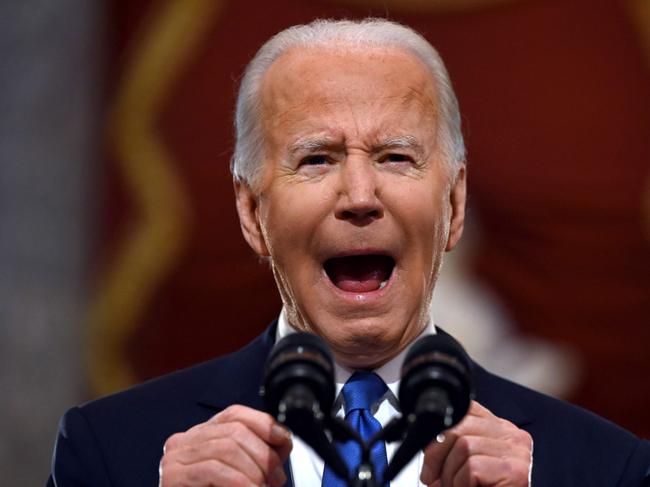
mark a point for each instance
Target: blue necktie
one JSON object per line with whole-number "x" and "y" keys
{"x": 360, "y": 392}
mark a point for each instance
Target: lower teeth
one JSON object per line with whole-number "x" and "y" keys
{"x": 383, "y": 284}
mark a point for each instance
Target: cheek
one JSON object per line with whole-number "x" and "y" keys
{"x": 291, "y": 224}
{"x": 427, "y": 227}
{"x": 425, "y": 212}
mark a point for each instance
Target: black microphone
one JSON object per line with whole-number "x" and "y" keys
{"x": 434, "y": 395}
{"x": 299, "y": 391}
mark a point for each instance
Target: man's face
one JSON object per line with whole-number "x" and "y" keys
{"x": 355, "y": 203}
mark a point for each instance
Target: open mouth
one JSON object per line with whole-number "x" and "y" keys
{"x": 360, "y": 273}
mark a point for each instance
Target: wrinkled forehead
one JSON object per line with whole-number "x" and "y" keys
{"x": 308, "y": 80}
{"x": 316, "y": 71}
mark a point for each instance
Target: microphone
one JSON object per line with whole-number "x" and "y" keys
{"x": 434, "y": 395}
{"x": 299, "y": 391}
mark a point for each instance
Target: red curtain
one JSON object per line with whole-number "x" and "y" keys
{"x": 556, "y": 111}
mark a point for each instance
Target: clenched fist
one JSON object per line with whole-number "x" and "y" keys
{"x": 239, "y": 447}
{"x": 482, "y": 450}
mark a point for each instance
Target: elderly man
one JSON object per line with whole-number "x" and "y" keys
{"x": 350, "y": 180}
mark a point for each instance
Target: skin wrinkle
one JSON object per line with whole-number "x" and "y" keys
{"x": 355, "y": 117}
{"x": 445, "y": 107}
{"x": 313, "y": 145}
{"x": 325, "y": 146}
{"x": 377, "y": 53}
{"x": 329, "y": 146}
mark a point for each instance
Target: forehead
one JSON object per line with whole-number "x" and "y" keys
{"x": 326, "y": 82}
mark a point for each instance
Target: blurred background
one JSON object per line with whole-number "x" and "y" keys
{"x": 120, "y": 252}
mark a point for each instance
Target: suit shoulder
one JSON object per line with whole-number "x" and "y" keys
{"x": 535, "y": 407}
{"x": 185, "y": 385}
{"x": 121, "y": 436}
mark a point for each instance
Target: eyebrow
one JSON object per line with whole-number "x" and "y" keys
{"x": 401, "y": 142}
{"x": 312, "y": 144}
{"x": 315, "y": 144}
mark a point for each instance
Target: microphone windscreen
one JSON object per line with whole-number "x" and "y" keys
{"x": 436, "y": 361}
{"x": 300, "y": 358}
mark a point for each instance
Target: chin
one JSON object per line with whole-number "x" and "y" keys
{"x": 361, "y": 361}
{"x": 363, "y": 344}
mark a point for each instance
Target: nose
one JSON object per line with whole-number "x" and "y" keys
{"x": 359, "y": 198}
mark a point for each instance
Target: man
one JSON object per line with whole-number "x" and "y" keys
{"x": 350, "y": 180}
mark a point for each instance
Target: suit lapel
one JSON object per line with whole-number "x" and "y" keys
{"x": 232, "y": 380}
{"x": 496, "y": 394}
{"x": 237, "y": 378}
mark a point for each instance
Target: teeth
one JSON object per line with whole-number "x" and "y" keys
{"x": 383, "y": 284}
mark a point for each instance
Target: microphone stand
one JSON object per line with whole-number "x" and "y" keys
{"x": 366, "y": 473}
{"x": 415, "y": 432}
{"x": 399, "y": 428}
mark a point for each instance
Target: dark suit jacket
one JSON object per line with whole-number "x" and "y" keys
{"x": 118, "y": 440}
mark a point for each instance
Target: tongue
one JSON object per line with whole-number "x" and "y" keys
{"x": 359, "y": 274}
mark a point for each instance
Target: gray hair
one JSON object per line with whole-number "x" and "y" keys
{"x": 246, "y": 160}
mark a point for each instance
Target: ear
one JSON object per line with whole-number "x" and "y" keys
{"x": 248, "y": 210}
{"x": 457, "y": 198}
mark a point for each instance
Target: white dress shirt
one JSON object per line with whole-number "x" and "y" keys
{"x": 307, "y": 466}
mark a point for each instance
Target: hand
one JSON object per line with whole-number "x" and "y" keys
{"x": 482, "y": 450}
{"x": 237, "y": 447}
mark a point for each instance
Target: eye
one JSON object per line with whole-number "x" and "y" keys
{"x": 394, "y": 157}
{"x": 315, "y": 160}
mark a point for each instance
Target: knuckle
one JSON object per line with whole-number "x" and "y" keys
{"x": 165, "y": 464}
{"x": 474, "y": 465}
{"x": 525, "y": 438}
{"x": 233, "y": 412}
{"x": 226, "y": 415}
{"x": 167, "y": 478}
{"x": 173, "y": 442}
{"x": 505, "y": 423}
{"x": 236, "y": 409}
